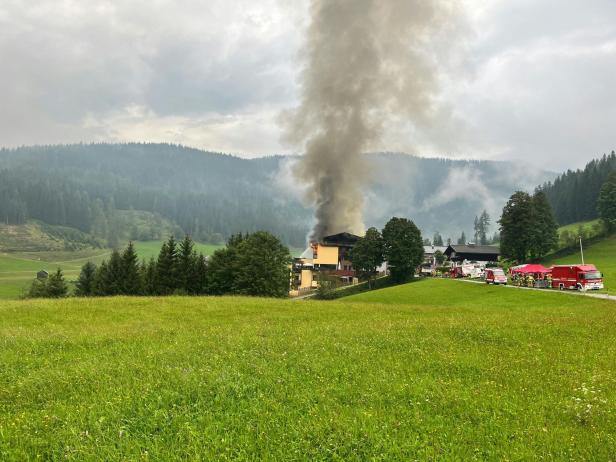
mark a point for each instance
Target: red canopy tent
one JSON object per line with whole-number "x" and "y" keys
{"x": 530, "y": 269}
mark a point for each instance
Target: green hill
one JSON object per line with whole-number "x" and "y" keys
{"x": 587, "y": 227}
{"x": 35, "y": 236}
{"x": 601, "y": 253}
{"x": 211, "y": 195}
{"x": 434, "y": 370}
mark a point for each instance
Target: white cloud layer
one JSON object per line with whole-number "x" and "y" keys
{"x": 533, "y": 81}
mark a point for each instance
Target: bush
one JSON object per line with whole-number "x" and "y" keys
{"x": 52, "y": 287}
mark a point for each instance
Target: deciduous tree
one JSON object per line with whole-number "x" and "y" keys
{"x": 403, "y": 248}
{"x": 367, "y": 254}
{"x": 85, "y": 282}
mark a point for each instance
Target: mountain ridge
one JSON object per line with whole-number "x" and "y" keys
{"x": 211, "y": 195}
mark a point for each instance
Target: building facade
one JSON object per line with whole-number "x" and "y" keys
{"x": 331, "y": 257}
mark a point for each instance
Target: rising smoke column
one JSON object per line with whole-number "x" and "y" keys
{"x": 365, "y": 60}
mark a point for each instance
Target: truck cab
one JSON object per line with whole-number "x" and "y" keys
{"x": 576, "y": 277}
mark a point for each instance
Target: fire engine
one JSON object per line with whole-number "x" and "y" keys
{"x": 576, "y": 277}
{"x": 495, "y": 276}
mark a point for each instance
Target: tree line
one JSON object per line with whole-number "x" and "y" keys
{"x": 528, "y": 228}
{"x": 254, "y": 264}
{"x": 481, "y": 234}
{"x": 574, "y": 195}
{"x": 399, "y": 243}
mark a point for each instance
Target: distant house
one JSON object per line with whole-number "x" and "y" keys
{"x": 42, "y": 274}
{"x": 472, "y": 252}
{"x": 430, "y": 254}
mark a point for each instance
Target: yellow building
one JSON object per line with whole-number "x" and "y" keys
{"x": 331, "y": 256}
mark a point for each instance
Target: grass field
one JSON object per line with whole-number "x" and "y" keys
{"x": 434, "y": 370}
{"x": 18, "y": 269}
{"x": 587, "y": 226}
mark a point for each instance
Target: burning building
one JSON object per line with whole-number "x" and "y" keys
{"x": 331, "y": 255}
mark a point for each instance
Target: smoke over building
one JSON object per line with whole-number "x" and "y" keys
{"x": 364, "y": 61}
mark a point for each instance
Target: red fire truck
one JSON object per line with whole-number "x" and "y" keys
{"x": 495, "y": 276}
{"x": 577, "y": 277}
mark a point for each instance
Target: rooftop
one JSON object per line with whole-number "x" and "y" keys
{"x": 474, "y": 249}
{"x": 346, "y": 239}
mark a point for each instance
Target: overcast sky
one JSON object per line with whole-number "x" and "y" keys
{"x": 529, "y": 79}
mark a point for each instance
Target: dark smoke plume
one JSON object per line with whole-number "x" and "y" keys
{"x": 364, "y": 61}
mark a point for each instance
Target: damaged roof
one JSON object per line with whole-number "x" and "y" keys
{"x": 341, "y": 239}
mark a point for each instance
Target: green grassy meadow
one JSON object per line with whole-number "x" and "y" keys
{"x": 433, "y": 370}
{"x": 587, "y": 226}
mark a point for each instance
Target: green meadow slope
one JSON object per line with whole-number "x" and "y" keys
{"x": 601, "y": 253}
{"x": 434, "y": 370}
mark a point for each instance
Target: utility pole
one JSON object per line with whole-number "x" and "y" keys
{"x": 581, "y": 250}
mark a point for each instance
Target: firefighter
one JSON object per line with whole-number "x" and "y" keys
{"x": 548, "y": 279}
{"x": 531, "y": 281}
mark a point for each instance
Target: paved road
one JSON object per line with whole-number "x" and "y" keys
{"x": 567, "y": 292}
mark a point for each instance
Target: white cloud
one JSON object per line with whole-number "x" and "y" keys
{"x": 532, "y": 82}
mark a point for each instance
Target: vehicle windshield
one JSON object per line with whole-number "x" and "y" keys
{"x": 592, "y": 275}
{"x": 498, "y": 272}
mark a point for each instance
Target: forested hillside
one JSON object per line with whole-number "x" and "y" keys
{"x": 208, "y": 195}
{"x": 144, "y": 191}
{"x": 573, "y": 195}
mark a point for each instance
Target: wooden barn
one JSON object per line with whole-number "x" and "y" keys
{"x": 472, "y": 252}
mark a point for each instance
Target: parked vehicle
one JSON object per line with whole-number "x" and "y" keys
{"x": 467, "y": 270}
{"x": 576, "y": 277}
{"x": 495, "y": 276}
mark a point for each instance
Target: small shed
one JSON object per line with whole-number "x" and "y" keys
{"x": 42, "y": 274}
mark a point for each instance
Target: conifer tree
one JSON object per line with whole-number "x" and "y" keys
{"x": 85, "y": 284}
{"x": 607, "y": 203}
{"x": 56, "y": 286}
{"x": 100, "y": 280}
{"x": 38, "y": 289}
{"x": 544, "y": 229}
{"x": 166, "y": 268}
{"x": 148, "y": 276}
{"x": 130, "y": 283}
{"x": 186, "y": 266}
{"x": 515, "y": 226}
{"x": 200, "y": 275}
{"x": 115, "y": 274}
{"x": 484, "y": 226}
